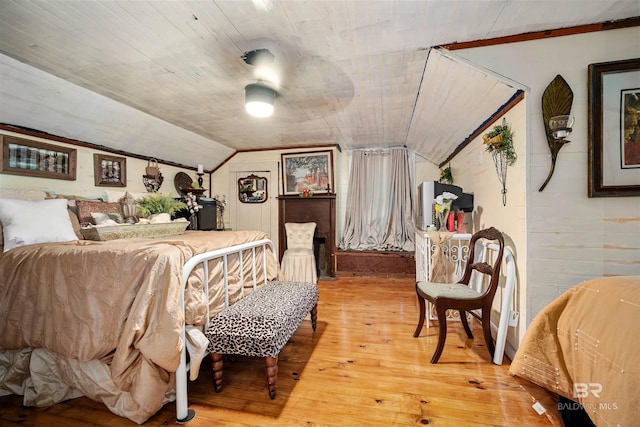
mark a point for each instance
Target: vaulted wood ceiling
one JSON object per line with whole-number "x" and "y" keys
{"x": 353, "y": 73}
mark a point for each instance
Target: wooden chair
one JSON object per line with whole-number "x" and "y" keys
{"x": 459, "y": 296}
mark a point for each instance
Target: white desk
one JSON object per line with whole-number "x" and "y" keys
{"x": 456, "y": 249}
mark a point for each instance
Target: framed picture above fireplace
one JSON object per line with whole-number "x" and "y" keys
{"x": 309, "y": 172}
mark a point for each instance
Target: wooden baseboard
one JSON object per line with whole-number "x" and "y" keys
{"x": 375, "y": 263}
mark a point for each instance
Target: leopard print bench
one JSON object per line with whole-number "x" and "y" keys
{"x": 260, "y": 325}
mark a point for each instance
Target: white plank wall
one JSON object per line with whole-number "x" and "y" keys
{"x": 569, "y": 236}
{"x": 474, "y": 171}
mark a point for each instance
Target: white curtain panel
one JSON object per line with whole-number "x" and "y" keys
{"x": 379, "y": 208}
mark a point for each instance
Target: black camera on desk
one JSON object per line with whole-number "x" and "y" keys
{"x": 205, "y": 218}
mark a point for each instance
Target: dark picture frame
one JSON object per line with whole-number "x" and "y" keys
{"x": 109, "y": 171}
{"x": 26, "y": 157}
{"x": 310, "y": 172}
{"x": 614, "y": 134}
{"x": 252, "y": 189}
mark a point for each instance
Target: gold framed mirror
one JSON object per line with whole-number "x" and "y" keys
{"x": 252, "y": 189}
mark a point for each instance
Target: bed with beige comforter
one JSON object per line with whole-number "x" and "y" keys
{"x": 585, "y": 346}
{"x": 102, "y": 319}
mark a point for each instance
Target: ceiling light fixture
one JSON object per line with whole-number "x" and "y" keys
{"x": 258, "y": 57}
{"x": 259, "y": 100}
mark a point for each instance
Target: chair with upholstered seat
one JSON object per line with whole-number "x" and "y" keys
{"x": 298, "y": 261}
{"x": 460, "y": 296}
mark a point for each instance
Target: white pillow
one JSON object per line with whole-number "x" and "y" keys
{"x": 26, "y": 222}
{"x": 22, "y": 194}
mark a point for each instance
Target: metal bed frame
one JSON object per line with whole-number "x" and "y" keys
{"x": 183, "y": 413}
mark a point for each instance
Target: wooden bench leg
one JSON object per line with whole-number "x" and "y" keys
{"x": 314, "y": 316}
{"x": 217, "y": 364}
{"x": 272, "y": 375}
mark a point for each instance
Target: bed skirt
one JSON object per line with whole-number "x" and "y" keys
{"x": 45, "y": 378}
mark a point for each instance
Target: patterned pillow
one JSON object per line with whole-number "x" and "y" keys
{"x": 85, "y": 208}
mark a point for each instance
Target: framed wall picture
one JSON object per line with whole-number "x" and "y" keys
{"x": 34, "y": 158}
{"x": 109, "y": 171}
{"x": 614, "y": 128}
{"x": 252, "y": 189}
{"x": 308, "y": 173}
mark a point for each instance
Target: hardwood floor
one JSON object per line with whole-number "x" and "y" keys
{"x": 361, "y": 367}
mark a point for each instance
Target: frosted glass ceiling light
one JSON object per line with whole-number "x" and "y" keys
{"x": 259, "y": 100}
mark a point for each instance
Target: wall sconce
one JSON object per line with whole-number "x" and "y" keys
{"x": 560, "y": 127}
{"x": 556, "y": 107}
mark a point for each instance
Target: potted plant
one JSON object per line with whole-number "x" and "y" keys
{"x": 500, "y": 144}
{"x": 501, "y": 139}
{"x": 446, "y": 175}
{"x": 158, "y": 203}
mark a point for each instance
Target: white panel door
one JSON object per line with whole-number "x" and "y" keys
{"x": 252, "y": 216}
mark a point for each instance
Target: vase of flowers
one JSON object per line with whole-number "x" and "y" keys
{"x": 221, "y": 204}
{"x": 442, "y": 208}
{"x": 191, "y": 201}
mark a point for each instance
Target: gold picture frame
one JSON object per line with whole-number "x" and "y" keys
{"x": 27, "y": 157}
{"x": 310, "y": 172}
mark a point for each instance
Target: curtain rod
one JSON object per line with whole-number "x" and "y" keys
{"x": 376, "y": 148}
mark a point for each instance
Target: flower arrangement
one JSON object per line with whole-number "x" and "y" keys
{"x": 221, "y": 204}
{"x": 445, "y": 199}
{"x": 442, "y": 208}
{"x": 221, "y": 201}
{"x": 192, "y": 203}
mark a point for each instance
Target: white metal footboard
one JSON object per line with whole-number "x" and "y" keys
{"x": 183, "y": 413}
{"x": 508, "y": 316}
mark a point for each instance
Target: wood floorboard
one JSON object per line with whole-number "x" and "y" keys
{"x": 361, "y": 367}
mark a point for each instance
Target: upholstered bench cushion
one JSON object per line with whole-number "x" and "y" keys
{"x": 261, "y": 323}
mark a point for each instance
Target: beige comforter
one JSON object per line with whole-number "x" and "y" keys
{"x": 585, "y": 346}
{"x": 107, "y": 308}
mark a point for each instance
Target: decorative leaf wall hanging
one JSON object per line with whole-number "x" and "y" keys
{"x": 556, "y": 101}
